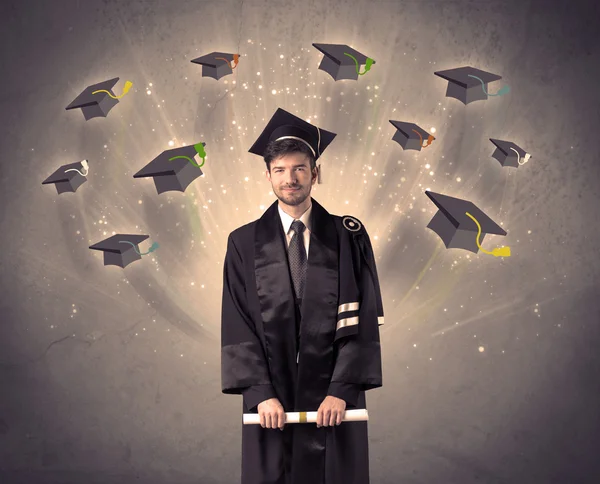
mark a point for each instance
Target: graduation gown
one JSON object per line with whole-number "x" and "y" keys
{"x": 336, "y": 350}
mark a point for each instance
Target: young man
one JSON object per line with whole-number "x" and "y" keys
{"x": 300, "y": 317}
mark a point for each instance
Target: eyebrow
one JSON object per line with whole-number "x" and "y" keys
{"x": 295, "y": 166}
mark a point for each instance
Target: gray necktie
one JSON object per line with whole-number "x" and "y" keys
{"x": 297, "y": 258}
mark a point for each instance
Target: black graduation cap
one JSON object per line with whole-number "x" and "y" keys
{"x": 459, "y": 230}
{"x": 217, "y": 64}
{"x": 94, "y": 105}
{"x": 68, "y": 178}
{"x": 509, "y": 154}
{"x": 343, "y": 62}
{"x": 410, "y": 136}
{"x": 122, "y": 249}
{"x": 284, "y": 125}
{"x": 175, "y": 169}
{"x": 468, "y": 84}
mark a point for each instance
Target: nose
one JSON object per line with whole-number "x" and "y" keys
{"x": 291, "y": 178}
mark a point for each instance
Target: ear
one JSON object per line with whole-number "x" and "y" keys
{"x": 268, "y": 175}
{"x": 315, "y": 175}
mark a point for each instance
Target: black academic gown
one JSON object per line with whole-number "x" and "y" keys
{"x": 336, "y": 353}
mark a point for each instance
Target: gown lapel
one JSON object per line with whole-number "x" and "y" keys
{"x": 276, "y": 299}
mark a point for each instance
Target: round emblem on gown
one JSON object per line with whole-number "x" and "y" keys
{"x": 351, "y": 224}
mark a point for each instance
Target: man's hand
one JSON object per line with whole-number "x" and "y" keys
{"x": 271, "y": 414}
{"x": 331, "y": 411}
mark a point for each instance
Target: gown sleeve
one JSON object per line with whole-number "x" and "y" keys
{"x": 243, "y": 364}
{"x": 358, "y": 352}
{"x": 346, "y": 391}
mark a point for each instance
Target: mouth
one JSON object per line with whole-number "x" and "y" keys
{"x": 291, "y": 189}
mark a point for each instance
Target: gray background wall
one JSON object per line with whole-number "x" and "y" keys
{"x": 490, "y": 366}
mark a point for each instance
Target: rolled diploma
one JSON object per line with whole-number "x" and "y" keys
{"x": 358, "y": 415}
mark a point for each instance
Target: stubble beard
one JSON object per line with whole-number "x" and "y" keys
{"x": 292, "y": 199}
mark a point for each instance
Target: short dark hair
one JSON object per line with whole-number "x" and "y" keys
{"x": 277, "y": 149}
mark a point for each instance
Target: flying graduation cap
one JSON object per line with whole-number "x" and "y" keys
{"x": 410, "y": 136}
{"x": 509, "y": 154}
{"x": 284, "y": 125}
{"x": 175, "y": 169}
{"x": 461, "y": 225}
{"x": 468, "y": 84}
{"x": 98, "y": 99}
{"x": 217, "y": 64}
{"x": 122, "y": 249}
{"x": 343, "y": 62}
{"x": 68, "y": 178}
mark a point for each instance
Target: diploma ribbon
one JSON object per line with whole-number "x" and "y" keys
{"x": 303, "y": 418}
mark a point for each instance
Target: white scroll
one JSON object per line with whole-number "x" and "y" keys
{"x": 358, "y": 415}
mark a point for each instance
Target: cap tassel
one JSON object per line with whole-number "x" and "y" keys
{"x": 236, "y": 58}
{"x": 368, "y": 64}
{"x": 126, "y": 88}
{"x": 84, "y": 165}
{"x": 527, "y": 156}
{"x": 501, "y": 92}
{"x": 199, "y": 147}
{"x": 498, "y": 251}
{"x": 153, "y": 247}
{"x": 430, "y": 138}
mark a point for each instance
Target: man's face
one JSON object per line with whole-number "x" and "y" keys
{"x": 291, "y": 178}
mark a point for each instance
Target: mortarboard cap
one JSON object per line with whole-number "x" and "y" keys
{"x": 98, "y": 99}
{"x": 509, "y": 154}
{"x": 122, "y": 249}
{"x": 343, "y": 62}
{"x": 68, "y": 178}
{"x": 410, "y": 136}
{"x": 217, "y": 64}
{"x": 284, "y": 125}
{"x": 461, "y": 225}
{"x": 175, "y": 169}
{"x": 468, "y": 84}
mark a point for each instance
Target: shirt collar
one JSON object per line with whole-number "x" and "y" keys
{"x": 287, "y": 220}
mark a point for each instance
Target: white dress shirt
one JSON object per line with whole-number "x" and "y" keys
{"x": 287, "y": 220}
